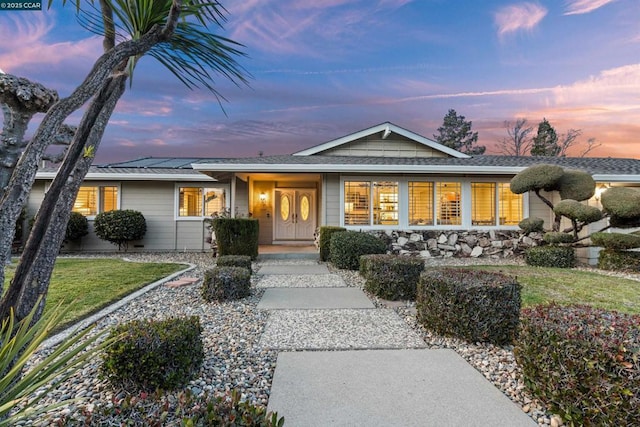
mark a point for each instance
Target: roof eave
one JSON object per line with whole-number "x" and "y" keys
{"x": 96, "y": 176}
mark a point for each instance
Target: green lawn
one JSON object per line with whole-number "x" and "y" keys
{"x": 87, "y": 285}
{"x": 565, "y": 286}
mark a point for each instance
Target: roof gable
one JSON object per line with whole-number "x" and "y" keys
{"x": 383, "y": 140}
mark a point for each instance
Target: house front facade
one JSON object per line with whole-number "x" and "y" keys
{"x": 384, "y": 178}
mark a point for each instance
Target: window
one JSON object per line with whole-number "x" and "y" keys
{"x": 420, "y": 203}
{"x": 448, "y": 196}
{"x": 385, "y": 200}
{"x": 91, "y": 200}
{"x": 199, "y": 202}
{"x": 483, "y": 203}
{"x": 356, "y": 202}
{"x": 510, "y": 205}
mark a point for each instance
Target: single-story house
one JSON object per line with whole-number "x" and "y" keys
{"x": 383, "y": 178}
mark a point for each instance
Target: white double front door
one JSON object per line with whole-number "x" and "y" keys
{"x": 295, "y": 214}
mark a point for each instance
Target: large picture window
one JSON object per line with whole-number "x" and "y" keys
{"x": 483, "y": 203}
{"x": 199, "y": 201}
{"x": 371, "y": 203}
{"x": 420, "y": 203}
{"x": 356, "y": 202}
{"x": 92, "y": 200}
{"x": 449, "y": 195}
{"x": 510, "y": 205}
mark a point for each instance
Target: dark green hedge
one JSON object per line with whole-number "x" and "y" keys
{"x": 236, "y": 236}
{"x": 226, "y": 283}
{"x": 152, "y": 354}
{"x": 243, "y": 261}
{"x": 77, "y": 227}
{"x": 618, "y": 241}
{"x": 550, "y": 256}
{"x": 610, "y": 259}
{"x": 392, "y": 277}
{"x": 475, "y": 305}
{"x": 120, "y": 226}
{"x": 583, "y": 362}
{"x": 325, "y": 240}
{"x": 348, "y": 246}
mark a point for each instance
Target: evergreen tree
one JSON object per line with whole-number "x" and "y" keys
{"x": 455, "y": 133}
{"x": 545, "y": 142}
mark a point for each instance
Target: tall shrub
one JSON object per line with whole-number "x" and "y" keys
{"x": 77, "y": 227}
{"x": 325, "y": 240}
{"x": 120, "y": 227}
{"x": 348, "y": 246}
{"x": 236, "y": 236}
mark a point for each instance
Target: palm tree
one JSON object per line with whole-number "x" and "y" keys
{"x": 176, "y": 33}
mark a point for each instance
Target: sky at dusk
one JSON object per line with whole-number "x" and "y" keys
{"x": 321, "y": 69}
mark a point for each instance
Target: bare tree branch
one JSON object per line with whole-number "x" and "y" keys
{"x": 591, "y": 145}
{"x": 519, "y": 142}
{"x": 568, "y": 140}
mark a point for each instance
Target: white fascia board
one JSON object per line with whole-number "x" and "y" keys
{"x": 616, "y": 178}
{"x": 134, "y": 177}
{"x": 257, "y": 167}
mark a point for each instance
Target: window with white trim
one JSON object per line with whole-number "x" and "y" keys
{"x": 200, "y": 201}
{"x": 371, "y": 203}
{"x": 94, "y": 199}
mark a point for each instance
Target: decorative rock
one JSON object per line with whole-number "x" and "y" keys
{"x": 471, "y": 240}
{"x": 497, "y": 243}
{"x": 556, "y": 421}
{"x": 443, "y": 239}
{"x": 466, "y": 249}
{"x": 432, "y": 244}
{"x": 402, "y": 241}
{"x": 415, "y": 237}
{"x": 484, "y": 242}
{"x": 425, "y": 254}
{"x": 453, "y": 238}
{"x": 476, "y": 252}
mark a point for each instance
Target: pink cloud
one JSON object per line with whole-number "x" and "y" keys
{"x": 577, "y": 7}
{"x": 517, "y": 17}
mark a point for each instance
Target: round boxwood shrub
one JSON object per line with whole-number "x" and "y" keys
{"x": 531, "y": 224}
{"x": 582, "y": 362}
{"x": 576, "y": 185}
{"x": 575, "y": 210}
{"x": 621, "y": 202}
{"x": 120, "y": 226}
{"x": 152, "y": 354}
{"x": 391, "y": 277}
{"x": 537, "y": 177}
{"x": 348, "y": 246}
{"x": 550, "y": 256}
{"x": 77, "y": 227}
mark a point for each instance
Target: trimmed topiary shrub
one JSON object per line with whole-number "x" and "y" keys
{"x": 583, "y": 362}
{"x": 558, "y": 237}
{"x": 609, "y": 259}
{"x": 120, "y": 227}
{"x": 621, "y": 202}
{"x": 550, "y": 256}
{"x": 152, "y": 354}
{"x": 243, "y": 261}
{"x": 475, "y": 305}
{"x": 535, "y": 177}
{"x": 236, "y": 236}
{"x": 531, "y": 225}
{"x": 348, "y": 246}
{"x": 575, "y": 210}
{"x": 77, "y": 227}
{"x": 391, "y": 277}
{"x": 226, "y": 283}
{"x": 576, "y": 185}
{"x": 325, "y": 240}
{"x": 618, "y": 241}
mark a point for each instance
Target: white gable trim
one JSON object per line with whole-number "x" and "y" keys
{"x": 386, "y": 128}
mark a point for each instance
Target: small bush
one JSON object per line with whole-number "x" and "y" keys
{"x": 573, "y": 209}
{"x": 236, "y": 236}
{"x": 348, "y": 246}
{"x": 151, "y": 354}
{"x": 325, "y": 240}
{"x": 77, "y": 227}
{"x": 618, "y": 241}
{"x": 583, "y": 362}
{"x": 623, "y": 202}
{"x": 531, "y": 225}
{"x": 226, "y": 283}
{"x": 391, "y": 277}
{"x": 576, "y": 185}
{"x": 155, "y": 409}
{"x": 243, "y": 261}
{"x": 558, "y": 237}
{"x": 610, "y": 259}
{"x": 120, "y": 227}
{"x": 550, "y": 256}
{"x": 474, "y": 305}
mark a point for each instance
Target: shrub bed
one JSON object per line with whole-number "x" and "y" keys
{"x": 550, "y": 256}
{"x": 236, "y": 236}
{"x": 477, "y": 306}
{"x": 609, "y": 259}
{"x": 391, "y": 277}
{"x": 152, "y": 354}
{"x": 120, "y": 227}
{"x": 325, "y": 240}
{"x": 583, "y": 362}
{"x": 243, "y": 261}
{"x": 226, "y": 283}
{"x": 348, "y": 246}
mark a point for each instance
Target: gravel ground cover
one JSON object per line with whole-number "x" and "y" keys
{"x": 301, "y": 281}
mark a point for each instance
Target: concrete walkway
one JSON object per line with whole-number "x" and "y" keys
{"x": 382, "y": 375}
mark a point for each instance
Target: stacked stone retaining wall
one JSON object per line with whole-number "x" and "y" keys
{"x": 459, "y": 243}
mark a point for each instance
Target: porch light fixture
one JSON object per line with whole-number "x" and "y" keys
{"x": 600, "y": 188}
{"x": 263, "y": 198}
